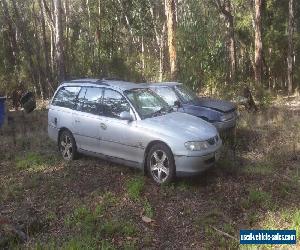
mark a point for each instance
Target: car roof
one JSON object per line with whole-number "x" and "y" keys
{"x": 163, "y": 84}
{"x": 114, "y": 84}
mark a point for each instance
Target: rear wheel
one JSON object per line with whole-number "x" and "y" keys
{"x": 67, "y": 145}
{"x": 160, "y": 164}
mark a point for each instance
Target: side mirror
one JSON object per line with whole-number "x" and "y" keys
{"x": 126, "y": 116}
{"x": 177, "y": 104}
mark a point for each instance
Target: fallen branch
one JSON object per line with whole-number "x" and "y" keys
{"x": 223, "y": 233}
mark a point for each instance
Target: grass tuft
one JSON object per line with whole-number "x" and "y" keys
{"x": 34, "y": 162}
{"x": 84, "y": 219}
{"x": 264, "y": 168}
{"x": 135, "y": 187}
{"x": 148, "y": 209}
{"x": 257, "y": 198}
{"x": 113, "y": 227}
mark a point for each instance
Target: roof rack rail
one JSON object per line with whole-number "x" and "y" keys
{"x": 86, "y": 80}
{"x": 112, "y": 79}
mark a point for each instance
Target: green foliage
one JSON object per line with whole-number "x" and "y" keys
{"x": 114, "y": 227}
{"x": 212, "y": 221}
{"x": 91, "y": 225}
{"x": 264, "y": 168}
{"x": 34, "y": 161}
{"x": 288, "y": 218}
{"x": 148, "y": 209}
{"x": 11, "y": 191}
{"x": 84, "y": 218}
{"x": 135, "y": 187}
{"x": 125, "y": 40}
{"x": 257, "y": 198}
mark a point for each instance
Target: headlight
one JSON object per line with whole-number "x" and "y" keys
{"x": 196, "y": 145}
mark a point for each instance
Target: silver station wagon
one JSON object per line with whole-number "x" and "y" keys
{"x": 130, "y": 124}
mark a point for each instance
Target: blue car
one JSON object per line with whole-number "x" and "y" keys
{"x": 223, "y": 114}
{"x": 2, "y": 110}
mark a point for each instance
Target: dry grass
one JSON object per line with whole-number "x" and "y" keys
{"x": 90, "y": 203}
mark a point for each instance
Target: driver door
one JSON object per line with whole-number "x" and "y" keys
{"x": 119, "y": 138}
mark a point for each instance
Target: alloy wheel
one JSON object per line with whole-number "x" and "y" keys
{"x": 159, "y": 166}
{"x": 66, "y": 147}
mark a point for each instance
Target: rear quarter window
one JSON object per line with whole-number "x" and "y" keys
{"x": 66, "y": 97}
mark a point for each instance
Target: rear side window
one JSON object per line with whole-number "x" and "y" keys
{"x": 66, "y": 97}
{"x": 114, "y": 104}
{"x": 90, "y": 100}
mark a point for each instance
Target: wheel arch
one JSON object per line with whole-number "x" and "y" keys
{"x": 150, "y": 144}
{"x": 62, "y": 129}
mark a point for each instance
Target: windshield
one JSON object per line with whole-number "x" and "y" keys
{"x": 147, "y": 103}
{"x": 186, "y": 94}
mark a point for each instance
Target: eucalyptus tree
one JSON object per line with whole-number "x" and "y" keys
{"x": 258, "y": 41}
{"x": 290, "y": 56}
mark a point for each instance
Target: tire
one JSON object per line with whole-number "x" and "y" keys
{"x": 67, "y": 145}
{"x": 160, "y": 164}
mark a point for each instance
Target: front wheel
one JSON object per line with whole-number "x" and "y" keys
{"x": 160, "y": 164}
{"x": 67, "y": 145}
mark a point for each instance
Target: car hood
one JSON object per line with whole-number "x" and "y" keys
{"x": 219, "y": 105}
{"x": 181, "y": 125}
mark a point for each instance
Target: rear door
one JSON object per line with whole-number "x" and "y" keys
{"x": 87, "y": 119}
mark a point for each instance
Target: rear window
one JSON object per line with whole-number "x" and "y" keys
{"x": 66, "y": 97}
{"x": 90, "y": 100}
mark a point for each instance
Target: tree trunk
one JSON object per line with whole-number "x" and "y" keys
{"x": 99, "y": 37}
{"x": 11, "y": 32}
{"x": 41, "y": 74}
{"x": 50, "y": 22}
{"x": 27, "y": 47}
{"x": 225, "y": 9}
{"x": 143, "y": 55}
{"x": 290, "y": 46}
{"x": 232, "y": 52}
{"x": 258, "y": 42}
{"x": 171, "y": 29}
{"x": 67, "y": 39}
{"x": 161, "y": 54}
{"x": 59, "y": 50}
{"x": 159, "y": 38}
{"x": 48, "y": 73}
{"x": 127, "y": 21}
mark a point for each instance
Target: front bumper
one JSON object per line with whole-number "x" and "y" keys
{"x": 193, "y": 165}
{"x": 226, "y": 125}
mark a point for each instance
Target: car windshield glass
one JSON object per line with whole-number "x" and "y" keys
{"x": 186, "y": 94}
{"x": 147, "y": 103}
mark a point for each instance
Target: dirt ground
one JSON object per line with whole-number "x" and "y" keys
{"x": 89, "y": 203}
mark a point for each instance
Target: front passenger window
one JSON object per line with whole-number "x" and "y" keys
{"x": 114, "y": 104}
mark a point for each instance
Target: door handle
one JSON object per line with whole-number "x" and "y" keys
{"x": 77, "y": 121}
{"x": 103, "y": 126}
